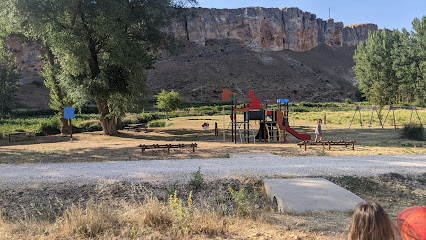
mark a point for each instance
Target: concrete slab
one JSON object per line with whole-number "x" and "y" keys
{"x": 251, "y": 155}
{"x": 309, "y": 194}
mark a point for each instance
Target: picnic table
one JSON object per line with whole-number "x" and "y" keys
{"x": 168, "y": 146}
{"x": 329, "y": 143}
{"x": 136, "y": 127}
{"x": 19, "y": 135}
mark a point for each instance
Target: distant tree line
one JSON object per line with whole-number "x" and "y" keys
{"x": 391, "y": 65}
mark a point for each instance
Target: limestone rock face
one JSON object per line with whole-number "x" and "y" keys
{"x": 27, "y": 59}
{"x": 353, "y": 34}
{"x": 267, "y": 28}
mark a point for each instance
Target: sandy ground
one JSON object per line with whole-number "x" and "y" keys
{"x": 95, "y": 147}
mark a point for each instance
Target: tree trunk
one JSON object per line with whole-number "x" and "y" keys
{"x": 109, "y": 125}
{"x": 65, "y": 127}
{"x": 119, "y": 124}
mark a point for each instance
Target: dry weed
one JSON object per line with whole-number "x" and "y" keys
{"x": 209, "y": 224}
{"x": 156, "y": 214}
{"x": 92, "y": 221}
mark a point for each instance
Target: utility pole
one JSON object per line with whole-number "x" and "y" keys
{"x": 329, "y": 13}
{"x": 201, "y": 88}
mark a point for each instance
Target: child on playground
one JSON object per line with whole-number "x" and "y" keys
{"x": 318, "y": 130}
{"x": 370, "y": 222}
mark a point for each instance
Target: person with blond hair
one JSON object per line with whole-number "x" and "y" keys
{"x": 318, "y": 131}
{"x": 371, "y": 222}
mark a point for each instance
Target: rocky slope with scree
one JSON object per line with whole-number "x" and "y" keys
{"x": 280, "y": 53}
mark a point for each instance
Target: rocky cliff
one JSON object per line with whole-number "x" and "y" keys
{"x": 277, "y": 52}
{"x": 268, "y": 28}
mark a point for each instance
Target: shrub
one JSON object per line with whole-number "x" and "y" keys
{"x": 157, "y": 123}
{"x": 147, "y": 117}
{"x": 197, "y": 179}
{"x": 90, "y": 126}
{"x": 130, "y": 119}
{"x": 300, "y": 109}
{"x": 33, "y": 113}
{"x": 245, "y": 202}
{"x": 420, "y": 102}
{"x": 413, "y": 132}
{"x": 348, "y": 101}
{"x": 89, "y": 110}
{"x": 50, "y": 126}
{"x": 310, "y": 104}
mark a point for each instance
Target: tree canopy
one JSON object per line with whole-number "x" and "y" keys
{"x": 169, "y": 101}
{"x": 9, "y": 80}
{"x": 100, "y": 49}
{"x": 391, "y": 65}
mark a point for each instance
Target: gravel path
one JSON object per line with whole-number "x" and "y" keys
{"x": 180, "y": 170}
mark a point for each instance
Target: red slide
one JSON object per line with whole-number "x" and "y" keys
{"x": 303, "y": 137}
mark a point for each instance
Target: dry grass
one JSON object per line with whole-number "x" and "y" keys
{"x": 156, "y": 214}
{"x": 92, "y": 221}
{"x": 119, "y": 210}
{"x": 100, "y": 221}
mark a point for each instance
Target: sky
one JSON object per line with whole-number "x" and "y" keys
{"x": 390, "y": 14}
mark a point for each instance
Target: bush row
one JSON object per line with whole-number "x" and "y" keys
{"x": 50, "y": 112}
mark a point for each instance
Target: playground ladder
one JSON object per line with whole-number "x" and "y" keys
{"x": 248, "y": 130}
{"x": 274, "y": 132}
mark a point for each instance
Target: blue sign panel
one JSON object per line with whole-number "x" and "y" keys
{"x": 283, "y": 100}
{"x": 69, "y": 113}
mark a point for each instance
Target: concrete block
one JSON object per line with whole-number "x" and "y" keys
{"x": 309, "y": 194}
{"x": 251, "y": 155}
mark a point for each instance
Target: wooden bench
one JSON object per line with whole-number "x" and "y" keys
{"x": 19, "y": 135}
{"x": 329, "y": 143}
{"x": 136, "y": 127}
{"x": 168, "y": 146}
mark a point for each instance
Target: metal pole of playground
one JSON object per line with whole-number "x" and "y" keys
{"x": 223, "y": 115}
{"x": 235, "y": 122}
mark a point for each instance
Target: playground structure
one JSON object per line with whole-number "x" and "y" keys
{"x": 273, "y": 122}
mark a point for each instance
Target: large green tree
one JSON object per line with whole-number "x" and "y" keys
{"x": 9, "y": 80}
{"x": 103, "y": 48}
{"x": 391, "y": 66}
{"x": 374, "y": 74}
{"x": 419, "y": 43}
{"x": 36, "y": 28}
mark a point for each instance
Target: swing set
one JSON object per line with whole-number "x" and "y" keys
{"x": 391, "y": 108}
{"x": 373, "y": 109}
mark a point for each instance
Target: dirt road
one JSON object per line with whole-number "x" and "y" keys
{"x": 180, "y": 170}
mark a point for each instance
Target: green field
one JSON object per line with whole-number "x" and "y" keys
{"x": 336, "y": 113}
